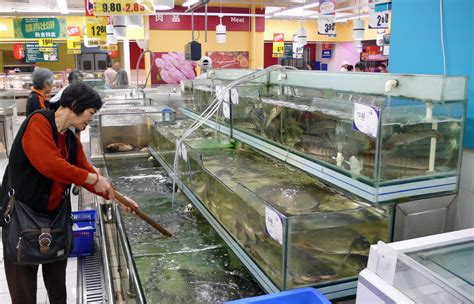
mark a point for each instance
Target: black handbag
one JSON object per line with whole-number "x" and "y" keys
{"x": 32, "y": 238}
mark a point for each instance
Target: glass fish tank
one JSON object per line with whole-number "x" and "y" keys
{"x": 194, "y": 265}
{"x": 126, "y": 129}
{"x": 296, "y": 228}
{"x": 368, "y": 133}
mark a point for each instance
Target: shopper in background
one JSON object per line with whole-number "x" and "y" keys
{"x": 350, "y": 68}
{"x": 359, "y": 67}
{"x": 382, "y": 68}
{"x": 344, "y": 65}
{"x": 309, "y": 67}
{"x": 110, "y": 76}
{"x": 42, "y": 84}
{"x": 74, "y": 76}
{"x": 122, "y": 76}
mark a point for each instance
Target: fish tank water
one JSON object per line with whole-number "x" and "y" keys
{"x": 194, "y": 265}
{"x": 356, "y": 124}
{"x": 297, "y": 229}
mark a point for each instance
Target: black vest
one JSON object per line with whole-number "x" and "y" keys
{"x": 31, "y": 187}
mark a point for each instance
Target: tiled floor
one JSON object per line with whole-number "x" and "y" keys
{"x": 41, "y": 295}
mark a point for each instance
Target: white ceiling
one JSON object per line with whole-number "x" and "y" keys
{"x": 76, "y": 7}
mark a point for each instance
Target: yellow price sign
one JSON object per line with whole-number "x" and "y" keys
{"x": 123, "y": 7}
{"x": 74, "y": 43}
{"x": 96, "y": 27}
{"x": 278, "y": 47}
{"x": 45, "y": 42}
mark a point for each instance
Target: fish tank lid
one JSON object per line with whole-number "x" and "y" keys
{"x": 432, "y": 88}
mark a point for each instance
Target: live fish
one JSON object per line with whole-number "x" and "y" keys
{"x": 119, "y": 147}
{"x": 411, "y": 137}
{"x": 273, "y": 114}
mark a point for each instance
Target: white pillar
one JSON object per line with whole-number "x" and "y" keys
{"x": 126, "y": 57}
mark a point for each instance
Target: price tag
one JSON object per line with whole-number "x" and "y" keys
{"x": 96, "y": 27}
{"x": 297, "y": 50}
{"x": 273, "y": 225}
{"x": 45, "y": 42}
{"x": 73, "y": 52}
{"x": 226, "y": 109}
{"x": 378, "y": 19}
{"x": 366, "y": 119}
{"x": 123, "y": 7}
{"x": 278, "y": 47}
{"x": 326, "y": 25}
{"x": 184, "y": 152}
{"x": 234, "y": 96}
{"x": 74, "y": 43}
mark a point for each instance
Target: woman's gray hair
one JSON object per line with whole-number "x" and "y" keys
{"x": 42, "y": 77}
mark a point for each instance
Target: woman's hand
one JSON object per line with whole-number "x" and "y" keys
{"x": 100, "y": 184}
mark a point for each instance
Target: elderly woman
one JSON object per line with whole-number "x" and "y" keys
{"x": 42, "y": 83}
{"x": 41, "y": 184}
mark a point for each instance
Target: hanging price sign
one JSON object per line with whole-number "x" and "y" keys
{"x": 96, "y": 27}
{"x": 378, "y": 19}
{"x": 326, "y": 25}
{"x": 278, "y": 44}
{"x": 74, "y": 43}
{"x": 123, "y": 7}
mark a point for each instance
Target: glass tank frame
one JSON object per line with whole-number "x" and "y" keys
{"x": 312, "y": 120}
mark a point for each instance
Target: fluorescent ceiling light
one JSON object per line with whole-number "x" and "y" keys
{"x": 297, "y": 11}
{"x": 163, "y": 5}
{"x": 272, "y": 9}
{"x": 190, "y": 2}
{"x": 62, "y": 5}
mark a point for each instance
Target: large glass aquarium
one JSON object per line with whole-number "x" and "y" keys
{"x": 296, "y": 229}
{"x": 381, "y": 136}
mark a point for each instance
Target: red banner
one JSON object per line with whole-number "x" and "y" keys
{"x": 183, "y": 22}
{"x": 278, "y": 37}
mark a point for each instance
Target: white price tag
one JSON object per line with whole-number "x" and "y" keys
{"x": 226, "y": 109}
{"x": 378, "y": 19}
{"x": 234, "y": 96}
{"x": 326, "y": 25}
{"x": 219, "y": 93}
{"x": 366, "y": 119}
{"x": 297, "y": 50}
{"x": 184, "y": 152}
{"x": 273, "y": 225}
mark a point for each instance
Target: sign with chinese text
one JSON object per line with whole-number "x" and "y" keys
{"x": 183, "y": 22}
{"x": 34, "y": 54}
{"x": 366, "y": 119}
{"x": 297, "y": 49}
{"x": 31, "y": 28}
{"x": 278, "y": 45}
{"x": 123, "y": 7}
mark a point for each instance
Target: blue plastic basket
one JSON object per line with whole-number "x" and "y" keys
{"x": 83, "y": 239}
{"x": 296, "y": 296}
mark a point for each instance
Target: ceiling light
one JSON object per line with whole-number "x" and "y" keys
{"x": 358, "y": 29}
{"x": 120, "y": 26}
{"x": 301, "y": 36}
{"x": 111, "y": 39}
{"x": 221, "y": 33}
{"x": 135, "y": 20}
{"x": 163, "y": 5}
{"x": 62, "y": 5}
{"x": 297, "y": 11}
{"x": 190, "y": 2}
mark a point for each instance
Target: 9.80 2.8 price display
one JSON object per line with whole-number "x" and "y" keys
{"x": 123, "y": 7}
